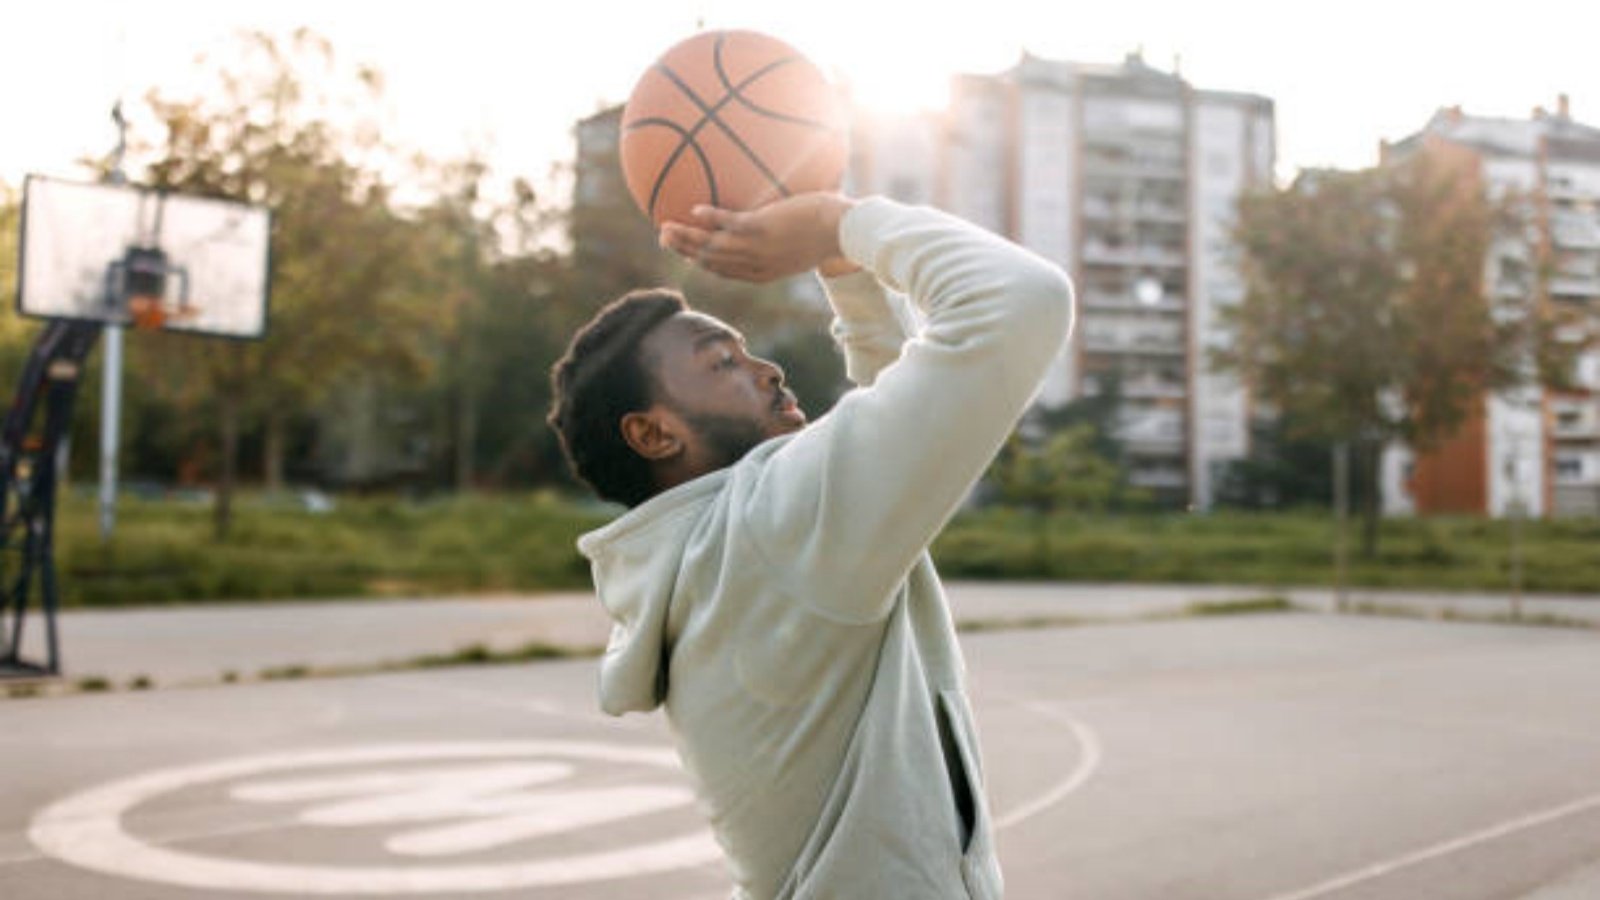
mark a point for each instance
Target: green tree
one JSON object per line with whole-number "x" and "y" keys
{"x": 350, "y": 276}
{"x": 1281, "y": 471}
{"x": 1366, "y": 319}
{"x": 1063, "y": 472}
{"x": 10, "y": 220}
{"x": 16, "y": 333}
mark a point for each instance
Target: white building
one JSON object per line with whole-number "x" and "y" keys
{"x": 1127, "y": 177}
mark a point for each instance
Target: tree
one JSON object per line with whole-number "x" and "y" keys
{"x": 1063, "y": 472}
{"x": 1365, "y": 319}
{"x": 1283, "y": 470}
{"x": 16, "y": 333}
{"x": 349, "y": 274}
{"x": 10, "y": 221}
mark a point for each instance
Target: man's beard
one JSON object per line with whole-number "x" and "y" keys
{"x": 729, "y": 438}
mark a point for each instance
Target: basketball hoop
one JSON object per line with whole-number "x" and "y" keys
{"x": 151, "y": 314}
{"x": 124, "y": 255}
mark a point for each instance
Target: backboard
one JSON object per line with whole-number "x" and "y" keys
{"x": 131, "y": 255}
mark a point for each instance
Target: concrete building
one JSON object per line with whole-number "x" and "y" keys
{"x": 605, "y": 227}
{"x": 1530, "y": 449}
{"x": 1126, "y": 176}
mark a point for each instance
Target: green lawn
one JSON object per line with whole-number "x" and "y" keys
{"x": 163, "y": 551}
{"x": 1268, "y": 549}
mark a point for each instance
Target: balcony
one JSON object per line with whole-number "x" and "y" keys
{"x": 1157, "y": 255}
{"x": 1565, "y": 189}
{"x": 1575, "y": 233}
{"x": 1160, "y": 212}
{"x": 1141, "y": 388}
{"x": 1101, "y": 210}
{"x": 1116, "y": 301}
{"x": 1154, "y": 389}
{"x": 1159, "y": 479}
{"x": 1161, "y": 339}
{"x": 1581, "y": 430}
{"x": 1575, "y": 286}
{"x": 1152, "y": 433}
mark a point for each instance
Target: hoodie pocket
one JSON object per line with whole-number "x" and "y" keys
{"x": 979, "y": 868}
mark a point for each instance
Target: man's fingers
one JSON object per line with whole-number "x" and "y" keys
{"x": 718, "y": 219}
{"x": 686, "y": 240}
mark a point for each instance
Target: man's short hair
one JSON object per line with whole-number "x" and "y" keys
{"x": 600, "y": 379}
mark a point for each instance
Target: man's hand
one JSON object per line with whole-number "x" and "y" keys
{"x": 781, "y": 239}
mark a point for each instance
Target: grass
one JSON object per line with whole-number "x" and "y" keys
{"x": 1253, "y": 606}
{"x": 1451, "y": 614}
{"x": 1269, "y": 549}
{"x": 164, "y": 553}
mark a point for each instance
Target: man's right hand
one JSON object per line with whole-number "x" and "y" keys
{"x": 784, "y": 238}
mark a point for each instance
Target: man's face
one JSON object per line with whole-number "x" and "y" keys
{"x": 726, "y": 399}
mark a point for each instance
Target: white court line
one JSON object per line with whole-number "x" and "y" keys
{"x": 1378, "y": 870}
{"x": 278, "y": 823}
{"x": 1077, "y": 778}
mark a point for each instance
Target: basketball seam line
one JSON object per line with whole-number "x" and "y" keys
{"x": 687, "y": 141}
{"x": 709, "y": 114}
{"x": 734, "y": 92}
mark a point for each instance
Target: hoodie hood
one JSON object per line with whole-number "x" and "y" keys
{"x": 635, "y": 561}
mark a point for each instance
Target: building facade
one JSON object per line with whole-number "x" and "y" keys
{"x": 1529, "y": 451}
{"x": 1127, "y": 177}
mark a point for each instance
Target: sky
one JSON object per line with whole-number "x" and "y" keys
{"x": 510, "y": 79}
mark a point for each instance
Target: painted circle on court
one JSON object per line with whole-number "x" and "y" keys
{"x": 474, "y": 804}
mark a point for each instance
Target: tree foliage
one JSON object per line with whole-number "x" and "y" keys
{"x": 1062, "y": 472}
{"x": 1366, "y": 318}
{"x": 352, "y": 284}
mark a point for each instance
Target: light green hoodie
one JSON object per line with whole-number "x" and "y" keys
{"x": 785, "y": 610}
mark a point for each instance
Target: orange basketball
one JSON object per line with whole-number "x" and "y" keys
{"x": 734, "y": 119}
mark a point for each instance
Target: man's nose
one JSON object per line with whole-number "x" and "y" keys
{"x": 770, "y": 371}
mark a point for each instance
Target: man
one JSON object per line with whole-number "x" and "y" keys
{"x": 770, "y": 584}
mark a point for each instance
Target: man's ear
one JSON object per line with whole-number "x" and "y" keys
{"x": 651, "y": 436}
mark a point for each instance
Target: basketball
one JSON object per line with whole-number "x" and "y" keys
{"x": 734, "y": 119}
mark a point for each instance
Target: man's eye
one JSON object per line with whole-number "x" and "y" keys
{"x": 727, "y": 362}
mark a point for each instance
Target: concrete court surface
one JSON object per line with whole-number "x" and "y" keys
{"x": 185, "y": 645}
{"x": 1272, "y": 757}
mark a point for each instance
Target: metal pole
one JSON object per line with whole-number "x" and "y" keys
{"x": 1516, "y": 562}
{"x": 111, "y": 382}
{"x": 1341, "y": 502}
{"x": 110, "y": 419}
{"x": 1514, "y": 473}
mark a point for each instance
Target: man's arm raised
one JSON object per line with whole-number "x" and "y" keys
{"x": 846, "y": 506}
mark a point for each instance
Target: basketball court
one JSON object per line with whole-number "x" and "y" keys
{"x": 1277, "y": 757}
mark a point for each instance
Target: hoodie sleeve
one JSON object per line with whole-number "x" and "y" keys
{"x": 869, "y": 325}
{"x": 846, "y": 506}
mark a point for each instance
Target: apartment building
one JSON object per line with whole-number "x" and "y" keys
{"x": 1530, "y": 450}
{"x": 1127, "y": 176}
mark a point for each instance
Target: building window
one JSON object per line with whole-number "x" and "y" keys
{"x": 1569, "y": 468}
